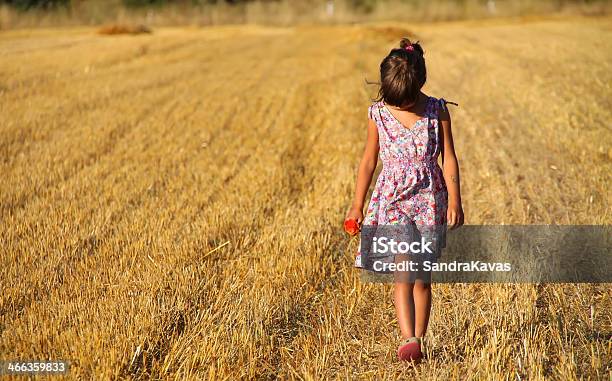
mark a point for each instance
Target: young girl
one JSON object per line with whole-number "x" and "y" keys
{"x": 409, "y": 130}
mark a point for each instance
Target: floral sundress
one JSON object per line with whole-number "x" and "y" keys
{"x": 410, "y": 189}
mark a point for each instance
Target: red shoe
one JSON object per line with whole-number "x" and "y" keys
{"x": 410, "y": 350}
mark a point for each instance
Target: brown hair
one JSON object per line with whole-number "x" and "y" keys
{"x": 402, "y": 74}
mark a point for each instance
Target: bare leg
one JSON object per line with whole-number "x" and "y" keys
{"x": 422, "y": 306}
{"x": 404, "y": 307}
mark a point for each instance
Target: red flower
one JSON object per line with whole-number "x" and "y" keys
{"x": 351, "y": 227}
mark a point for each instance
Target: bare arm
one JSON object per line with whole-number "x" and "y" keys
{"x": 366, "y": 170}
{"x": 450, "y": 168}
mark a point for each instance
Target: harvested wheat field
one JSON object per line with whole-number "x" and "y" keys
{"x": 172, "y": 203}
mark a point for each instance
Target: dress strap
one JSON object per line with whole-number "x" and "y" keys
{"x": 443, "y": 102}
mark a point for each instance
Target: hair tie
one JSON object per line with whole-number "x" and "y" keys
{"x": 410, "y": 47}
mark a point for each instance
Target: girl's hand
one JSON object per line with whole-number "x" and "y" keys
{"x": 354, "y": 214}
{"x": 454, "y": 215}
